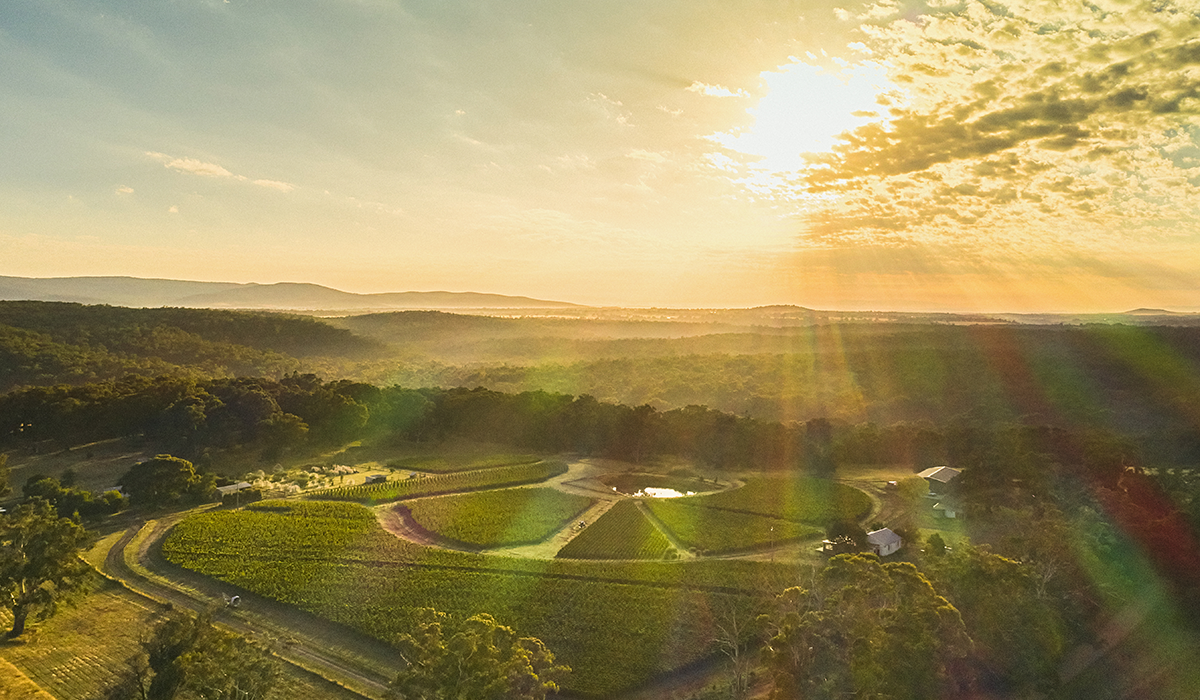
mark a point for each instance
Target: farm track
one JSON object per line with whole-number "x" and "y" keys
{"x": 269, "y": 621}
{"x": 680, "y": 548}
{"x": 549, "y": 547}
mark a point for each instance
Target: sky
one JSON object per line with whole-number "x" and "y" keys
{"x": 1001, "y": 156}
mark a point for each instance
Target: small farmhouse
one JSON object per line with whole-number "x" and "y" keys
{"x": 884, "y": 542}
{"x": 376, "y": 479}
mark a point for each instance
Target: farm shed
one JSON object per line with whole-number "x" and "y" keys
{"x": 233, "y": 488}
{"x": 376, "y": 479}
{"x": 884, "y": 542}
{"x": 939, "y": 478}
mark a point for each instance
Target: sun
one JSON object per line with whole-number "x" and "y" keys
{"x": 804, "y": 110}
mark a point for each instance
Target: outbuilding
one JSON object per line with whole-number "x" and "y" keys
{"x": 233, "y": 488}
{"x": 939, "y": 478}
{"x": 884, "y": 542}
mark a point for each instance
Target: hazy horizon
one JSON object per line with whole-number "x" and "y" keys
{"x": 1021, "y": 157}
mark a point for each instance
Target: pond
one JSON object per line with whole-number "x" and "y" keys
{"x": 655, "y": 485}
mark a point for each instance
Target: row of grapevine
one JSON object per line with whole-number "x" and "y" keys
{"x": 711, "y": 531}
{"x": 507, "y": 517}
{"x": 621, "y": 533}
{"x": 495, "y": 477}
{"x": 445, "y": 465}
{"x": 333, "y": 559}
{"x": 799, "y": 499}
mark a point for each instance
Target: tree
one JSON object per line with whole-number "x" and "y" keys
{"x": 866, "y": 629}
{"x": 187, "y": 656}
{"x": 736, "y": 630}
{"x": 39, "y": 561}
{"x": 478, "y": 659}
{"x": 165, "y": 479}
{"x": 1019, "y": 634}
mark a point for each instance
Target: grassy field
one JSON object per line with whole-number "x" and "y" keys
{"x": 81, "y": 651}
{"x": 617, "y": 624}
{"x": 15, "y": 685}
{"x": 502, "y": 518}
{"x": 621, "y": 533}
{"x": 713, "y": 531}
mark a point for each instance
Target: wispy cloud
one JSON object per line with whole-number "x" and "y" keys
{"x": 124, "y": 190}
{"x": 275, "y": 185}
{"x": 204, "y": 169}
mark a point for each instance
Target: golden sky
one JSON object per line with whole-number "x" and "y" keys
{"x": 951, "y": 156}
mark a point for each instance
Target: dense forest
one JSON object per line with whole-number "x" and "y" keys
{"x": 1133, "y": 382}
{"x": 45, "y": 343}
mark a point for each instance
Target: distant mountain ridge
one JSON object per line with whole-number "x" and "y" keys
{"x": 141, "y": 292}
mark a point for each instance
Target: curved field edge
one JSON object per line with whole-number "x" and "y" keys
{"x": 500, "y": 518}
{"x": 455, "y": 482}
{"x": 333, "y": 559}
{"x": 798, "y": 499}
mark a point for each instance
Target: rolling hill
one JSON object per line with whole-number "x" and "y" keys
{"x": 138, "y": 292}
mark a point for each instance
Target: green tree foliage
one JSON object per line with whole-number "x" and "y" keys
{"x": 476, "y": 659}
{"x": 869, "y": 630}
{"x": 39, "y": 561}
{"x": 187, "y": 657}
{"x": 935, "y": 546}
{"x": 71, "y": 500}
{"x": 1019, "y": 633}
{"x": 165, "y": 480}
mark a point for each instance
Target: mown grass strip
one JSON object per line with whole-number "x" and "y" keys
{"x": 495, "y": 477}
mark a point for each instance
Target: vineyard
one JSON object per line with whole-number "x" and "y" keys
{"x": 621, "y": 533}
{"x": 499, "y": 518}
{"x": 712, "y": 531}
{"x": 333, "y": 559}
{"x": 445, "y": 465}
{"x": 494, "y": 477}
{"x": 799, "y": 499}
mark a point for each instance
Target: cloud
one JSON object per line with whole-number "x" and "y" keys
{"x": 124, "y": 190}
{"x": 173, "y": 209}
{"x": 275, "y": 185}
{"x": 714, "y": 90}
{"x": 204, "y": 169}
{"x": 1019, "y": 124}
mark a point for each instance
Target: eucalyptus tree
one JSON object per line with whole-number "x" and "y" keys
{"x": 39, "y": 561}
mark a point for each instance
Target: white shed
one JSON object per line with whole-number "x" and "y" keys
{"x": 884, "y": 542}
